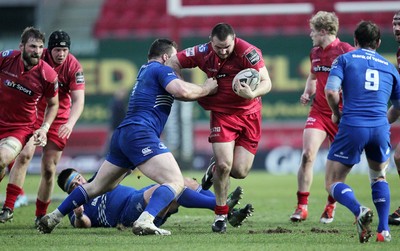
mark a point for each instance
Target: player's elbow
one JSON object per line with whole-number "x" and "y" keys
{"x": 330, "y": 94}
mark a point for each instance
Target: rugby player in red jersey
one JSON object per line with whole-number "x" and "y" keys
{"x": 235, "y": 122}
{"x": 319, "y": 126}
{"x": 71, "y": 102}
{"x": 25, "y": 79}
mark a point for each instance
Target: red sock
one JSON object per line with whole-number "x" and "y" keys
{"x": 302, "y": 198}
{"x": 331, "y": 200}
{"x": 41, "y": 207}
{"x": 221, "y": 210}
{"x": 12, "y": 193}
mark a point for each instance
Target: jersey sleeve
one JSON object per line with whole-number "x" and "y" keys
{"x": 50, "y": 81}
{"x": 76, "y": 76}
{"x": 252, "y": 58}
{"x": 191, "y": 57}
{"x": 337, "y": 67}
{"x": 165, "y": 75}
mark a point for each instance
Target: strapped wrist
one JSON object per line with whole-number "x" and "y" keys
{"x": 45, "y": 126}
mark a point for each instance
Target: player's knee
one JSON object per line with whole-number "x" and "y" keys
{"x": 307, "y": 156}
{"x": 48, "y": 172}
{"x": 24, "y": 158}
{"x": 223, "y": 168}
{"x": 240, "y": 173}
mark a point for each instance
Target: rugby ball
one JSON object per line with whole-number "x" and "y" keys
{"x": 249, "y": 76}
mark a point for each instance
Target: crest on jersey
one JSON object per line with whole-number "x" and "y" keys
{"x": 335, "y": 61}
{"x": 189, "y": 52}
{"x": 80, "y": 78}
{"x": 6, "y": 53}
{"x": 253, "y": 57}
{"x": 203, "y": 48}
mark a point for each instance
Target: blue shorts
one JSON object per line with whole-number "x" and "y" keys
{"x": 350, "y": 142}
{"x": 132, "y": 145}
{"x": 134, "y": 208}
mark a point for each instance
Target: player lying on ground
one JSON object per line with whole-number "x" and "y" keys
{"x": 128, "y": 203}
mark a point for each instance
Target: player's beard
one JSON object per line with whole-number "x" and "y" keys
{"x": 397, "y": 36}
{"x": 223, "y": 56}
{"x": 30, "y": 59}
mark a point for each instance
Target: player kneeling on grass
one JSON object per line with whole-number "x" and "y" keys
{"x": 123, "y": 205}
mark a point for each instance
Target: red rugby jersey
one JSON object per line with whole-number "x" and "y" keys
{"x": 70, "y": 78}
{"x": 21, "y": 90}
{"x": 321, "y": 62}
{"x": 225, "y": 100}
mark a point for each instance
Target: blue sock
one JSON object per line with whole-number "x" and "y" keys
{"x": 160, "y": 199}
{"x": 193, "y": 199}
{"x": 78, "y": 197}
{"x": 205, "y": 192}
{"x": 381, "y": 199}
{"x": 345, "y": 196}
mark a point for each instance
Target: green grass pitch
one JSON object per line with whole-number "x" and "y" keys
{"x": 273, "y": 198}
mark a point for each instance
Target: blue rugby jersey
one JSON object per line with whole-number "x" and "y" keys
{"x": 120, "y": 205}
{"x": 367, "y": 78}
{"x": 149, "y": 103}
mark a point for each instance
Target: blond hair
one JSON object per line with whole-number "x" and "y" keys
{"x": 327, "y": 21}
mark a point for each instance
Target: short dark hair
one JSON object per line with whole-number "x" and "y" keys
{"x": 161, "y": 46}
{"x": 32, "y": 32}
{"x": 63, "y": 177}
{"x": 222, "y": 31}
{"x": 367, "y": 34}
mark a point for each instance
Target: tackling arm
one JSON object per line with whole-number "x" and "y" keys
{"x": 173, "y": 62}
{"x": 188, "y": 92}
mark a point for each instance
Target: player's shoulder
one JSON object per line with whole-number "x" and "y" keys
{"x": 71, "y": 58}
{"x": 346, "y": 47}
{"x": 156, "y": 68}
{"x": 10, "y": 53}
{"x": 197, "y": 50}
{"x": 48, "y": 73}
{"x": 315, "y": 50}
{"x": 72, "y": 64}
{"x": 249, "y": 52}
{"x": 242, "y": 46}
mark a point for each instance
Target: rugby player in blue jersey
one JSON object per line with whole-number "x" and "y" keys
{"x": 136, "y": 142}
{"x": 367, "y": 81}
{"x": 123, "y": 205}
